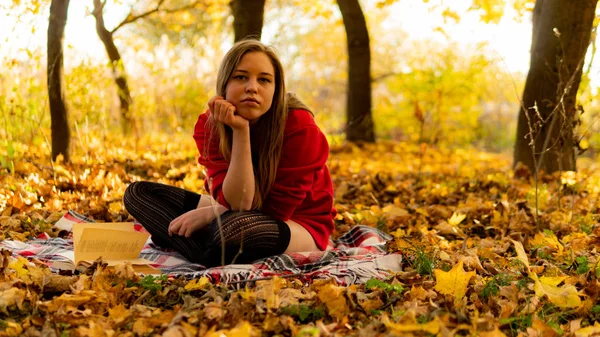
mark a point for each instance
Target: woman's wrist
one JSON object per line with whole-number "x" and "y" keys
{"x": 243, "y": 126}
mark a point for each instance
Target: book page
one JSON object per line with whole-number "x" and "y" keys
{"x": 110, "y": 244}
{"x": 121, "y": 226}
{"x": 134, "y": 262}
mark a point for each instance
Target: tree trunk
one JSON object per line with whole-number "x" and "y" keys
{"x": 358, "y": 110}
{"x": 61, "y": 134}
{"x": 247, "y": 18}
{"x": 561, "y": 35}
{"x": 118, "y": 68}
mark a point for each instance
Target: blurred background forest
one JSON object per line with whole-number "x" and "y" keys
{"x": 449, "y": 73}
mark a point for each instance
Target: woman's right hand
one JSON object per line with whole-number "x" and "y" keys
{"x": 196, "y": 219}
{"x": 225, "y": 112}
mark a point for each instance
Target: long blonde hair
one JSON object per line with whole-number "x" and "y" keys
{"x": 270, "y": 126}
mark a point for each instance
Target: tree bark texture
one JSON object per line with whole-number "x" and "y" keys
{"x": 61, "y": 134}
{"x": 247, "y": 18}
{"x": 358, "y": 103}
{"x": 118, "y": 68}
{"x": 561, "y": 35}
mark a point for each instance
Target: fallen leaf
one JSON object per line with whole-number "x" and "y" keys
{"x": 589, "y": 331}
{"x": 521, "y": 255}
{"x": 493, "y": 333}
{"x": 432, "y": 327}
{"x": 94, "y": 330}
{"x": 197, "y": 284}
{"x": 18, "y": 265}
{"x": 563, "y": 297}
{"x": 242, "y": 329}
{"x": 11, "y": 297}
{"x": 454, "y": 282}
{"x": 456, "y": 219}
{"x": 268, "y": 290}
{"x": 542, "y": 328}
{"x": 334, "y": 299}
{"x": 369, "y": 301}
{"x": 141, "y": 326}
{"x": 119, "y": 314}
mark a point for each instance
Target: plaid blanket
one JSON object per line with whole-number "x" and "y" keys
{"x": 355, "y": 257}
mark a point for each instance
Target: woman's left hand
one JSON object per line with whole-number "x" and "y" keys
{"x": 189, "y": 222}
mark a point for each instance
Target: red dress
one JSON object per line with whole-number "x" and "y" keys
{"x": 302, "y": 191}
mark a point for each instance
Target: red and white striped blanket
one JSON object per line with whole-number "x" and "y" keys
{"x": 355, "y": 257}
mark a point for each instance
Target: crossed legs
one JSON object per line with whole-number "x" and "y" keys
{"x": 239, "y": 237}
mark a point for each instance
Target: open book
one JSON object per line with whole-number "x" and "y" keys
{"x": 114, "y": 242}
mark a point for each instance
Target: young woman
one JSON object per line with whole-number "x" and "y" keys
{"x": 265, "y": 158}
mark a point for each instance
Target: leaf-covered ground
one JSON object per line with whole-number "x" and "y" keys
{"x": 485, "y": 255}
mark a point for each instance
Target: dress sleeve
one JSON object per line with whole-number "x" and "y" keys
{"x": 304, "y": 153}
{"x": 212, "y": 159}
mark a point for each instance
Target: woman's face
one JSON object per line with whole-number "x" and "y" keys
{"x": 252, "y": 86}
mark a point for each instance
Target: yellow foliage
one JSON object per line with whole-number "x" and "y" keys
{"x": 549, "y": 240}
{"x": 453, "y": 282}
{"x": 432, "y": 327}
{"x": 19, "y": 265}
{"x": 243, "y": 329}
{"x": 456, "y": 219}
{"x": 119, "y": 314}
{"x": 196, "y": 284}
{"x": 563, "y": 297}
{"x": 334, "y": 299}
{"x": 378, "y": 187}
{"x": 589, "y": 331}
{"x": 493, "y": 10}
{"x": 269, "y": 291}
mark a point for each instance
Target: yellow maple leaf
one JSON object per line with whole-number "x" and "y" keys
{"x": 18, "y": 265}
{"x": 11, "y": 329}
{"x": 243, "y": 329}
{"x": 197, "y": 284}
{"x": 588, "y": 331}
{"x": 563, "y": 297}
{"x": 453, "y": 282}
{"x": 334, "y": 299}
{"x": 521, "y": 255}
{"x": 119, "y": 313}
{"x": 552, "y": 281}
{"x": 247, "y": 294}
{"x": 456, "y": 218}
{"x": 432, "y": 327}
{"x": 547, "y": 240}
{"x": 268, "y": 291}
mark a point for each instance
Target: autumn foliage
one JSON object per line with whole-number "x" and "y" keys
{"x": 475, "y": 262}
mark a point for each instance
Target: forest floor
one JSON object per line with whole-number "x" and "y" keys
{"x": 486, "y": 253}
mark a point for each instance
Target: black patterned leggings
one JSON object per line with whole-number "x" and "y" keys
{"x": 247, "y": 236}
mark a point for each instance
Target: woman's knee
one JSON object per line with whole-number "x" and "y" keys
{"x": 132, "y": 194}
{"x": 133, "y": 188}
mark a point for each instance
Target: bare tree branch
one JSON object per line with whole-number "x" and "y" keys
{"x": 186, "y": 7}
{"x": 131, "y": 18}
